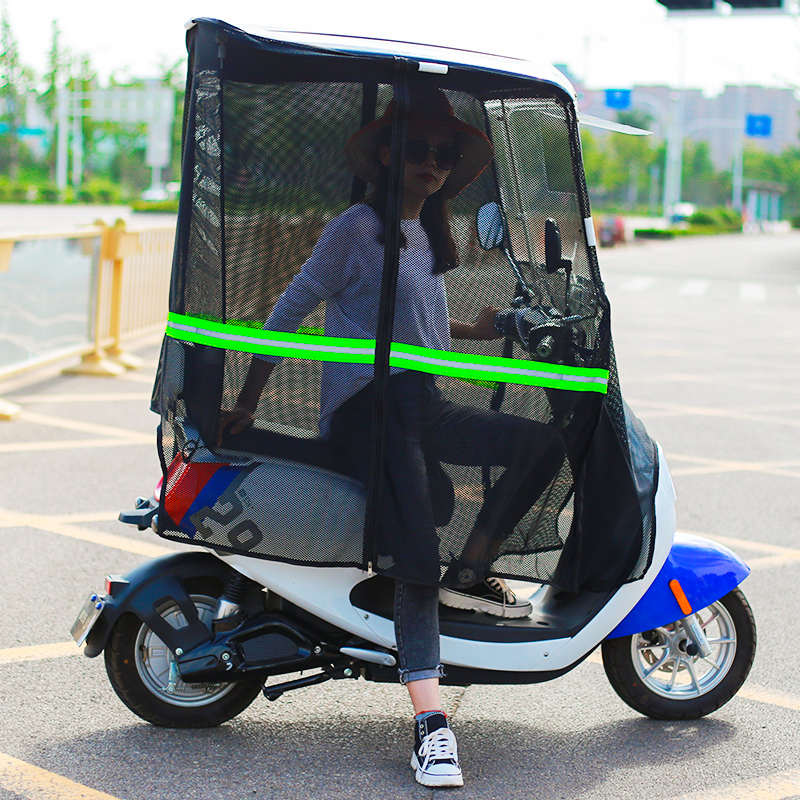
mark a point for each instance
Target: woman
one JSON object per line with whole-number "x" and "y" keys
{"x": 443, "y": 155}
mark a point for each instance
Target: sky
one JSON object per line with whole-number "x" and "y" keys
{"x": 605, "y": 43}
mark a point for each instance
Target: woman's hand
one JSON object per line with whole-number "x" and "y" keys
{"x": 241, "y": 415}
{"x": 236, "y": 419}
{"x": 482, "y": 326}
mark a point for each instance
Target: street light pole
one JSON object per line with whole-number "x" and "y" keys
{"x": 674, "y": 165}
{"x": 738, "y": 156}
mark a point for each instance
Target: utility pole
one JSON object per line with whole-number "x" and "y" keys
{"x": 674, "y": 165}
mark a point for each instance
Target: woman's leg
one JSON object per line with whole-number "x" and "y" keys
{"x": 416, "y": 625}
{"x": 531, "y": 452}
{"x": 405, "y": 544}
{"x": 425, "y": 695}
{"x": 416, "y": 622}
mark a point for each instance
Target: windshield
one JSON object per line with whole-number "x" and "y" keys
{"x": 534, "y": 163}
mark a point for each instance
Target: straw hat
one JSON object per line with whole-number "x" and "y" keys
{"x": 427, "y": 106}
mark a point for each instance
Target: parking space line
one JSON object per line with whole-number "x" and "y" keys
{"x": 87, "y": 516}
{"x": 710, "y": 466}
{"x": 32, "y": 782}
{"x": 765, "y": 562}
{"x": 38, "y": 652}
{"x": 752, "y": 292}
{"x": 71, "y": 444}
{"x": 49, "y": 525}
{"x": 75, "y": 517}
{"x": 750, "y": 691}
{"x": 98, "y": 397}
{"x": 653, "y": 408}
{"x": 694, "y": 288}
{"x": 86, "y": 427}
{"x": 762, "y": 694}
{"x": 638, "y": 284}
{"x": 747, "y": 544}
{"x": 777, "y": 786}
{"x": 135, "y": 377}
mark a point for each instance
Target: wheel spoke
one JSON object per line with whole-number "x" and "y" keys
{"x": 714, "y": 615}
{"x": 728, "y": 640}
{"x": 672, "y": 678}
{"x": 658, "y": 664}
{"x": 690, "y": 667}
{"x": 710, "y": 660}
{"x": 643, "y": 648}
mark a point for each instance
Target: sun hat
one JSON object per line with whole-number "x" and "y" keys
{"x": 427, "y": 106}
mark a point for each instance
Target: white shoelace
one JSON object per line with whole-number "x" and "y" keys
{"x": 439, "y": 746}
{"x": 501, "y": 587}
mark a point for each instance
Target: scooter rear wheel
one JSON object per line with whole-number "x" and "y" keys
{"x": 143, "y": 673}
{"x": 659, "y": 674}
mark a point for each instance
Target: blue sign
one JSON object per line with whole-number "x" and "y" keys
{"x": 618, "y": 98}
{"x": 759, "y": 125}
{"x": 22, "y": 131}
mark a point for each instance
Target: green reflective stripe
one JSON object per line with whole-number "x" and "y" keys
{"x": 505, "y": 370}
{"x": 480, "y": 369}
{"x": 274, "y": 343}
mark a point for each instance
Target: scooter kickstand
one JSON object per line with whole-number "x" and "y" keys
{"x": 275, "y": 691}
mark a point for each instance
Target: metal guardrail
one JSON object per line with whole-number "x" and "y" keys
{"x": 81, "y": 291}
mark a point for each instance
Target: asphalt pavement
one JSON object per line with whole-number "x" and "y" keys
{"x": 707, "y": 335}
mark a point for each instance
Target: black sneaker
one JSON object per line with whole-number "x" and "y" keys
{"x": 491, "y": 596}
{"x": 435, "y": 756}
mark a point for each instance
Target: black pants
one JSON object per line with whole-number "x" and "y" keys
{"x": 424, "y": 430}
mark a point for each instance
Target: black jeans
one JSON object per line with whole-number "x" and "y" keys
{"x": 422, "y": 431}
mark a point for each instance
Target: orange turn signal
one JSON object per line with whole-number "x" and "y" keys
{"x": 680, "y": 596}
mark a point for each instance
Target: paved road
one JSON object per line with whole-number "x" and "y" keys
{"x": 707, "y": 335}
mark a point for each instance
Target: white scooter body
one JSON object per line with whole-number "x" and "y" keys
{"x": 325, "y": 593}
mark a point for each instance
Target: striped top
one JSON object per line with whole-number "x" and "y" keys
{"x": 345, "y": 270}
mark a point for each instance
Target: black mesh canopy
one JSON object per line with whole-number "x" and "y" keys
{"x": 382, "y": 438}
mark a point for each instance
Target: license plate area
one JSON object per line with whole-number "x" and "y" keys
{"x": 87, "y": 616}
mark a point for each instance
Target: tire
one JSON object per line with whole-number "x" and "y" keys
{"x": 655, "y": 674}
{"x": 138, "y": 666}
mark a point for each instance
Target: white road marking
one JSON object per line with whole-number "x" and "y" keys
{"x": 637, "y": 284}
{"x": 752, "y": 292}
{"x": 694, "y": 288}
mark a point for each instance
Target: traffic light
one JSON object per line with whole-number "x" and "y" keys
{"x": 688, "y": 5}
{"x": 752, "y": 6}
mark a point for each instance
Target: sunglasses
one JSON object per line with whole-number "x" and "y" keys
{"x": 446, "y": 155}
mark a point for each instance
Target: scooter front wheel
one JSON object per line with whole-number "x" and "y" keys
{"x": 144, "y": 674}
{"x": 662, "y": 674}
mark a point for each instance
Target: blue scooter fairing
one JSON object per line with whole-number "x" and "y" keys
{"x": 705, "y": 570}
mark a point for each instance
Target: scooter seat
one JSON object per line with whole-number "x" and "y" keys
{"x": 289, "y": 444}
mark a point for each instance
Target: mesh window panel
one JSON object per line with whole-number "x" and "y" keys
{"x": 499, "y": 482}
{"x": 457, "y": 457}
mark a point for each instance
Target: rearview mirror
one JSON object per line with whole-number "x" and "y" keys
{"x": 491, "y": 226}
{"x": 552, "y": 246}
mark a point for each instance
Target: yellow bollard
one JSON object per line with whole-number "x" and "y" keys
{"x": 8, "y": 410}
{"x": 113, "y": 246}
{"x": 124, "y": 244}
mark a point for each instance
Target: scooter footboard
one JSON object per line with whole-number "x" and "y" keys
{"x": 697, "y": 572}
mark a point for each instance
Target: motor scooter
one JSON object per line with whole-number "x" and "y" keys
{"x": 281, "y": 575}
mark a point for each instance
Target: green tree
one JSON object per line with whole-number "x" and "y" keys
{"x": 54, "y": 79}
{"x": 15, "y": 81}
{"x": 701, "y": 182}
